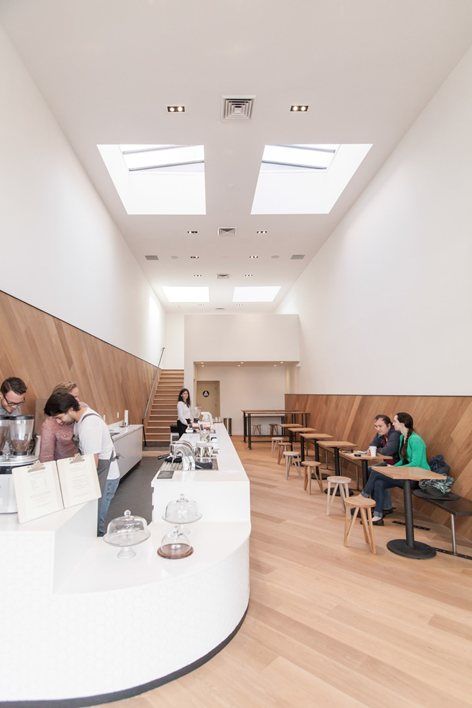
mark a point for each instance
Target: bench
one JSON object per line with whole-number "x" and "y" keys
{"x": 455, "y": 506}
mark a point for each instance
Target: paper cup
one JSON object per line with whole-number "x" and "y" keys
{"x": 372, "y": 450}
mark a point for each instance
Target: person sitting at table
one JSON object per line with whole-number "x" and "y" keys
{"x": 412, "y": 453}
{"x": 387, "y": 441}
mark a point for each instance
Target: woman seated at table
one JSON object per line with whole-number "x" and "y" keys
{"x": 412, "y": 453}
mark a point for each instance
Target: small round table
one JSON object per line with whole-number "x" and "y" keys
{"x": 408, "y": 547}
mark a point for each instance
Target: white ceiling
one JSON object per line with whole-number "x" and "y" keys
{"x": 108, "y": 68}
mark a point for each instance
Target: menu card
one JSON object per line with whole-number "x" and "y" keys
{"x": 78, "y": 479}
{"x": 37, "y": 490}
{"x": 46, "y": 487}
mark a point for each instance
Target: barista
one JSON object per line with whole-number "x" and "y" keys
{"x": 12, "y": 396}
{"x": 94, "y": 438}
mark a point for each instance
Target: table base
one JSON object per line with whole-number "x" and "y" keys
{"x": 418, "y": 551}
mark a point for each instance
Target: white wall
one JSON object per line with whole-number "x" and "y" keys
{"x": 251, "y": 337}
{"x": 246, "y": 387}
{"x": 61, "y": 252}
{"x": 174, "y": 342}
{"x": 386, "y": 305}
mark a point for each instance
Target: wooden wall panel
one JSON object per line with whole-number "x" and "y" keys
{"x": 444, "y": 422}
{"x": 43, "y": 350}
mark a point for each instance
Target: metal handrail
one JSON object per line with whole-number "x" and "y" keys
{"x": 153, "y": 386}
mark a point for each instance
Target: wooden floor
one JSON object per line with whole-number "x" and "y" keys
{"x": 334, "y": 626}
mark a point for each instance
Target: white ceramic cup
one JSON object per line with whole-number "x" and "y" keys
{"x": 372, "y": 450}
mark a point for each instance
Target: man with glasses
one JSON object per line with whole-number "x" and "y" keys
{"x": 12, "y": 396}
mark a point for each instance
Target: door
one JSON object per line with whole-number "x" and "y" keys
{"x": 208, "y": 397}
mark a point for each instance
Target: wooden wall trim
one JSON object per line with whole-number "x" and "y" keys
{"x": 44, "y": 350}
{"x": 444, "y": 422}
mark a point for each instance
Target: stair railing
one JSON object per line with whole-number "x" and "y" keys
{"x": 155, "y": 381}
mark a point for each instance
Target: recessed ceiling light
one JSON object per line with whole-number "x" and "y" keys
{"x": 151, "y": 258}
{"x": 176, "y": 109}
{"x": 254, "y": 258}
{"x": 299, "y": 107}
{"x": 222, "y": 276}
{"x": 192, "y": 232}
{"x": 261, "y": 293}
{"x": 275, "y": 256}
{"x": 198, "y": 275}
{"x": 187, "y": 294}
{"x": 262, "y": 232}
{"x": 248, "y": 275}
{"x": 219, "y": 308}
{"x": 297, "y": 257}
{"x": 194, "y": 258}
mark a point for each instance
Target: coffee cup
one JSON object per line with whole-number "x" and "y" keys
{"x": 372, "y": 450}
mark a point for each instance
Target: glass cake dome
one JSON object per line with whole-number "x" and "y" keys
{"x": 126, "y": 531}
{"x": 182, "y": 511}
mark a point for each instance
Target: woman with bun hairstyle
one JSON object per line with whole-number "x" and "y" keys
{"x": 412, "y": 453}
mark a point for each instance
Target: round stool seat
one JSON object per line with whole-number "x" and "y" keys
{"x": 311, "y": 463}
{"x": 291, "y": 453}
{"x": 338, "y": 479}
{"x": 360, "y": 502}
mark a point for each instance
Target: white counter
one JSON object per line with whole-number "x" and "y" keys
{"x": 78, "y": 623}
{"x": 128, "y": 444}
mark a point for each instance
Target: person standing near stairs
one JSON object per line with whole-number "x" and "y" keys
{"x": 184, "y": 415}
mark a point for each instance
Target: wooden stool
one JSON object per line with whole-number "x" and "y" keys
{"x": 274, "y": 429}
{"x": 291, "y": 458}
{"x": 336, "y": 482}
{"x": 353, "y": 505}
{"x": 312, "y": 471}
{"x": 282, "y": 446}
{"x": 256, "y": 429}
{"x": 274, "y": 443}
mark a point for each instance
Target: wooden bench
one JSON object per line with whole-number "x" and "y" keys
{"x": 459, "y": 506}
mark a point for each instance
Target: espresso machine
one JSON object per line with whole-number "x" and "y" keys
{"x": 16, "y": 442}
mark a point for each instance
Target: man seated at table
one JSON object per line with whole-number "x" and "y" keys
{"x": 412, "y": 453}
{"x": 387, "y": 442}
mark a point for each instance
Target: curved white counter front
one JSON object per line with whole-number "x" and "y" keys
{"x": 78, "y": 624}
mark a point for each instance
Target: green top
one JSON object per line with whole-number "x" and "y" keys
{"x": 415, "y": 452}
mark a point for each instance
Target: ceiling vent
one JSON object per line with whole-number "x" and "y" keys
{"x": 151, "y": 258}
{"x": 227, "y": 231}
{"x": 222, "y": 276}
{"x": 297, "y": 257}
{"x": 237, "y": 107}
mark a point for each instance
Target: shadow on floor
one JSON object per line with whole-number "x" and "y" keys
{"x": 135, "y": 492}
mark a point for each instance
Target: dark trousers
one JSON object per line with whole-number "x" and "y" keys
{"x": 376, "y": 486}
{"x": 181, "y": 427}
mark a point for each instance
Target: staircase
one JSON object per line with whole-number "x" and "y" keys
{"x": 163, "y": 411}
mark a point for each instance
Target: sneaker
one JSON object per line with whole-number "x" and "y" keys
{"x": 377, "y": 520}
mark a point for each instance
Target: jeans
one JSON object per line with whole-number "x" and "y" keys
{"x": 376, "y": 486}
{"x": 110, "y": 487}
{"x": 387, "y": 502}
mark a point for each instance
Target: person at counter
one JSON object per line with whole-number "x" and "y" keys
{"x": 57, "y": 438}
{"x": 12, "y": 396}
{"x": 412, "y": 453}
{"x": 94, "y": 438}
{"x": 184, "y": 415}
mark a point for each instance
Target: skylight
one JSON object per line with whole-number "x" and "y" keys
{"x": 305, "y": 178}
{"x": 257, "y": 293}
{"x": 186, "y": 294}
{"x": 305, "y": 157}
{"x": 157, "y": 179}
{"x": 157, "y": 157}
